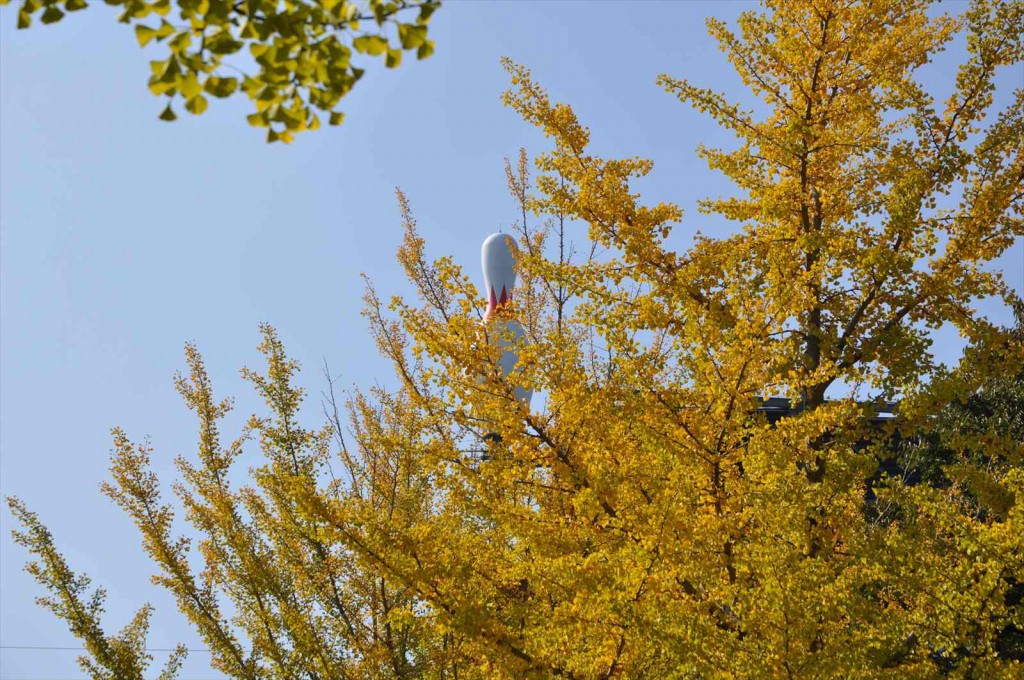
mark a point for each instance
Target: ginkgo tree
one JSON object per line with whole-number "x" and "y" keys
{"x": 646, "y": 521}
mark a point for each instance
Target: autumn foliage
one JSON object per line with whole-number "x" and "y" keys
{"x": 643, "y": 520}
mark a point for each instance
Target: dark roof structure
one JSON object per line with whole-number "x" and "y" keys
{"x": 776, "y": 408}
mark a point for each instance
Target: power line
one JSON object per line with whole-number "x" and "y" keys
{"x": 83, "y": 649}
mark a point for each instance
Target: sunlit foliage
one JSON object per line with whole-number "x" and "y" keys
{"x": 643, "y": 520}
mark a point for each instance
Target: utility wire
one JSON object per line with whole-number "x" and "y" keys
{"x": 83, "y": 649}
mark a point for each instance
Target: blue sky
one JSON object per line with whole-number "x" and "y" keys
{"x": 123, "y": 237}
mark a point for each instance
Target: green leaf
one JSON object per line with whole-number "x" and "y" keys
{"x": 278, "y": 113}
{"x": 144, "y": 34}
{"x": 24, "y": 18}
{"x": 221, "y": 87}
{"x": 266, "y": 94}
{"x": 165, "y": 30}
{"x": 223, "y": 42}
{"x": 251, "y": 86}
{"x": 158, "y": 87}
{"x": 52, "y": 15}
{"x": 393, "y": 58}
{"x": 373, "y": 45}
{"x": 161, "y": 7}
{"x": 412, "y": 36}
{"x": 171, "y": 71}
{"x": 293, "y": 120}
{"x": 336, "y": 117}
{"x": 75, "y": 5}
{"x": 189, "y": 85}
{"x": 427, "y": 9}
{"x": 168, "y": 114}
{"x": 425, "y": 50}
{"x": 256, "y": 120}
{"x": 196, "y": 105}
{"x": 165, "y": 76}
{"x": 180, "y": 42}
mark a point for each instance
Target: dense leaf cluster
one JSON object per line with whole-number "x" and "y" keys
{"x": 291, "y": 58}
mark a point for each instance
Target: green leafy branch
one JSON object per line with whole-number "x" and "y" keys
{"x": 110, "y": 657}
{"x": 302, "y": 51}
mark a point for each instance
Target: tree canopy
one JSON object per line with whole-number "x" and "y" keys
{"x": 646, "y": 520}
{"x": 291, "y": 59}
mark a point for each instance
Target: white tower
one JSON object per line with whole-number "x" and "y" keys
{"x": 498, "y": 259}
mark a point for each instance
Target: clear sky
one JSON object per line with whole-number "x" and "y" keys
{"x": 123, "y": 237}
